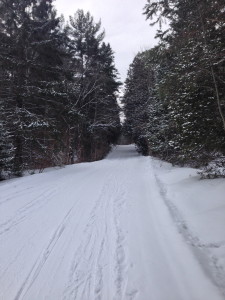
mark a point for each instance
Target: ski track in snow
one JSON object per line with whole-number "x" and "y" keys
{"x": 25, "y": 211}
{"x": 37, "y": 267}
{"x": 94, "y": 247}
{"x": 94, "y": 232}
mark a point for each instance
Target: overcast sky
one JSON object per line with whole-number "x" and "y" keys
{"x": 125, "y": 26}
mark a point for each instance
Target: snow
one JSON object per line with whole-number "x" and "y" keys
{"x": 128, "y": 227}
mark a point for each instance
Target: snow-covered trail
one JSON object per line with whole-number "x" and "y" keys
{"x": 95, "y": 231}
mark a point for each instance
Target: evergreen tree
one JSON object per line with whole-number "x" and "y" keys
{"x": 58, "y": 88}
{"x": 145, "y": 106}
{"x": 34, "y": 74}
{"x": 6, "y": 146}
{"x": 174, "y": 99}
{"x": 136, "y": 99}
{"x": 96, "y": 85}
{"x": 193, "y": 81}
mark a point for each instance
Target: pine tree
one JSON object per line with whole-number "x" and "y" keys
{"x": 95, "y": 84}
{"x": 106, "y": 124}
{"x": 58, "y": 88}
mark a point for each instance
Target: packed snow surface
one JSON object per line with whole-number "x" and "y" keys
{"x": 125, "y": 228}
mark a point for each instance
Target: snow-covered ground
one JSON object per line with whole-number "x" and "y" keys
{"x": 125, "y": 228}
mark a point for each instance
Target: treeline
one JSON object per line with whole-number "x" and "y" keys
{"x": 58, "y": 87}
{"x": 174, "y": 98}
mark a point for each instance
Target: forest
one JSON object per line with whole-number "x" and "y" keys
{"x": 174, "y": 98}
{"x": 119, "y": 205}
{"x": 58, "y": 86}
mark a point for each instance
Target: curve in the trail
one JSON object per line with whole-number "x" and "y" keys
{"x": 96, "y": 231}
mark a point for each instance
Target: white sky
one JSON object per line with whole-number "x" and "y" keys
{"x": 125, "y": 26}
